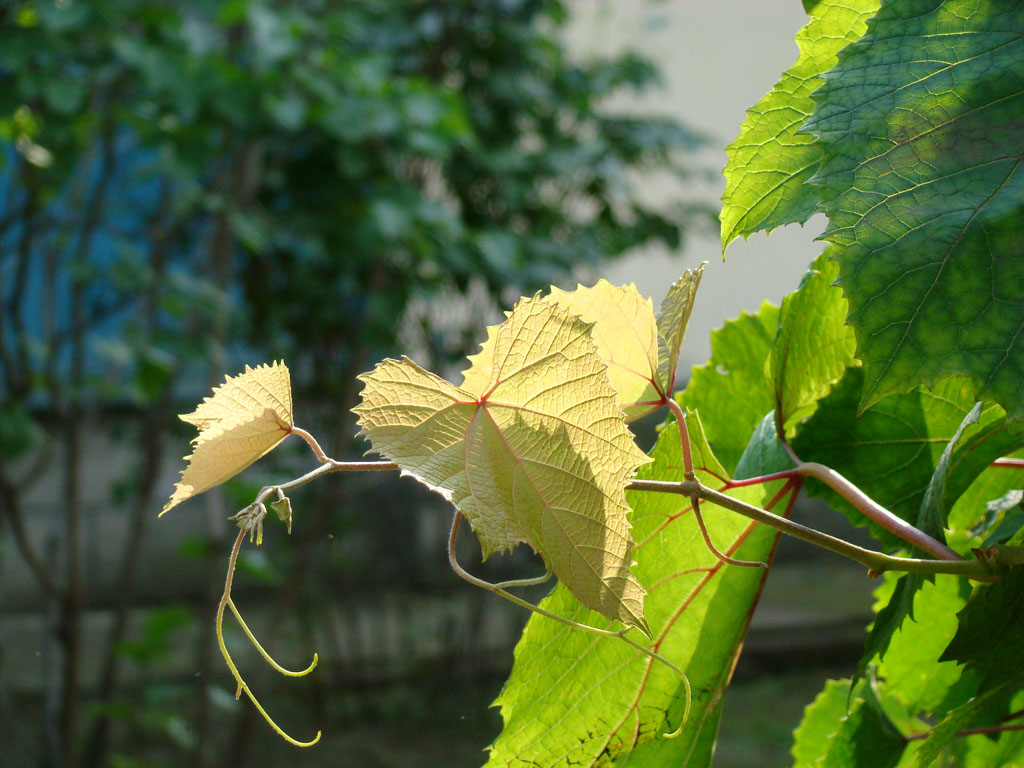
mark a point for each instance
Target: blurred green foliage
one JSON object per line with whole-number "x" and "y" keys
{"x": 188, "y": 186}
{"x": 347, "y": 155}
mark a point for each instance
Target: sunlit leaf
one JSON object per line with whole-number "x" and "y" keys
{"x": 533, "y": 448}
{"x": 578, "y": 700}
{"x": 627, "y": 340}
{"x": 923, "y": 185}
{"x": 821, "y": 720}
{"x": 910, "y": 668}
{"x": 770, "y": 159}
{"x": 672, "y": 321}
{"x": 910, "y": 681}
{"x": 851, "y": 731}
{"x": 731, "y": 391}
{"x": 245, "y": 418}
{"x": 249, "y": 395}
{"x": 814, "y": 345}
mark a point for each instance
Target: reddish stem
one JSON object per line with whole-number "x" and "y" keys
{"x": 317, "y": 450}
{"x": 684, "y": 437}
{"x": 1010, "y": 463}
{"x": 710, "y": 544}
{"x": 971, "y": 731}
{"x": 875, "y": 511}
{"x": 870, "y": 508}
{"x": 786, "y": 475}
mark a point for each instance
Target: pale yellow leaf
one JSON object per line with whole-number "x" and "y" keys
{"x": 626, "y": 335}
{"x": 249, "y": 394}
{"x": 532, "y": 448}
{"x": 245, "y": 418}
{"x": 672, "y": 320}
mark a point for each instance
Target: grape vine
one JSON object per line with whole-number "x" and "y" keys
{"x": 889, "y": 384}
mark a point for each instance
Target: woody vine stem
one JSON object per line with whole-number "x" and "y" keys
{"x": 989, "y": 564}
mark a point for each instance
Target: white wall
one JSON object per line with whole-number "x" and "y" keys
{"x": 717, "y": 58}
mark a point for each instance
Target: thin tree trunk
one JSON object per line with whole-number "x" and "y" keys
{"x": 53, "y": 748}
{"x": 239, "y": 187}
{"x": 69, "y": 625}
{"x": 97, "y": 743}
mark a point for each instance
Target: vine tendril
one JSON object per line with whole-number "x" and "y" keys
{"x": 250, "y": 522}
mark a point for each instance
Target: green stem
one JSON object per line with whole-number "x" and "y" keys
{"x": 994, "y": 561}
{"x": 695, "y": 506}
{"x": 453, "y": 537}
{"x": 328, "y": 467}
{"x": 876, "y": 562}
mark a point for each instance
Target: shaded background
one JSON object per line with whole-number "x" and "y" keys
{"x": 185, "y": 189}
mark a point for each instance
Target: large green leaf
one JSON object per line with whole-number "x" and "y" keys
{"x": 866, "y": 737}
{"x": 981, "y": 438}
{"x": 813, "y": 346}
{"x": 926, "y": 689}
{"x": 847, "y": 730}
{"x": 910, "y": 670}
{"x": 912, "y": 687}
{"x": 731, "y": 391}
{"x": 820, "y": 721}
{"x": 983, "y": 706}
{"x": 580, "y": 700}
{"x": 890, "y": 617}
{"x": 983, "y": 751}
{"x": 889, "y": 451}
{"x": 780, "y": 360}
{"x": 990, "y": 635}
{"x": 770, "y": 160}
{"x": 923, "y": 183}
